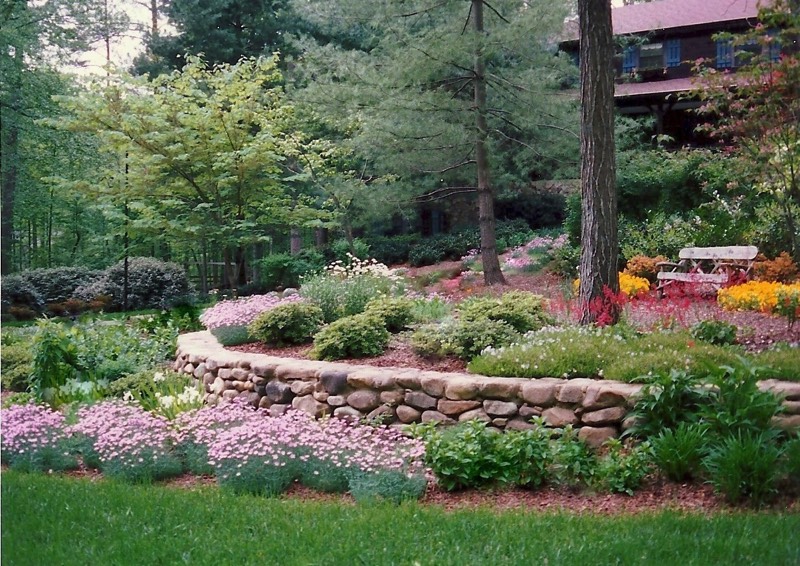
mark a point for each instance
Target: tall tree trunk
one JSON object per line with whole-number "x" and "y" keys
{"x": 599, "y": 246}
{"x": 492, "y": 275}
{"x": 10, "y": 160}
{"x": 295, "y": 241}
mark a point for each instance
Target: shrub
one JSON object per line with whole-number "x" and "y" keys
{"x": 782, "y": 269}
{"x": 396, "y": 312}
{"x": 151, "y": 284}
{"x": 745, "y": 465}
{"x": 660, "y": 234}
{"x": 285, "y": 270}
{"x": 513, "y": 233}
{"x": 463, "y": 339}
{"x": 715, "y": 331}
{"x": 622, "y": 470}
{"x": 521, "y": 310}
{"x": 19, "y": 293}
{"x": 35, "y": 438}
{"x": 357, "y": 336}
{"x": 472, "y": 455}
{"x": 295, "y": 322}
{"x": 17, "y": 366}
{"x": 644, "y": 267}
{"x": 392, "y": 250}
{"x": 425, "y": 253}
{"x": 58, "y": 284}
{"x": 341, "y": 249}
{"x": 679, "y": 452}
{"x": 566, "y": 260}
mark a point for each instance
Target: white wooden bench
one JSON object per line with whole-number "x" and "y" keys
{"x": 713, "y": 266}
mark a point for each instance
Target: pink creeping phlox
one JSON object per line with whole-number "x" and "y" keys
{"x": 34, "y": 437}
{"x": 129, "y": 442}
{"x": 297, "y": 440}
{"x": 241, "y": 312}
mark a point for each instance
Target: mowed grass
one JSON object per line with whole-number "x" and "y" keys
{"x": 57, "y": 520}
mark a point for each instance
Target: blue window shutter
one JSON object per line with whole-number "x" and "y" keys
{"x": 630, "y": 58}
{"x": 673, "y": 52}
{"x": 724, "y": 54}
{"x": 775, "y": 49}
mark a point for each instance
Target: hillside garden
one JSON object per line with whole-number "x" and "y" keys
{"x": 290, "y": 206}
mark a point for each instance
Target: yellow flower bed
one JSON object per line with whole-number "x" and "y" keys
{"x": 628, "y": 284}
{"x": 756, "y": 295}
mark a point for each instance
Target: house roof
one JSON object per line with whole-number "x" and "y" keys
{"x": 667, "y": 14}
{"x": 624, "y": 90}
{"x": 670, "y": 14}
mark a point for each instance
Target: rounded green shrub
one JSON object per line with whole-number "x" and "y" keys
{"x": 463, "y": 339}
{"x": 521, "y": 310}
{"x": 715, "y": 331}
{"x": 357, "y": 336}
{"x": 289, "y": 323}
{"x": 152, "y": 283}
{"x": 396, "y": 312}
{"x": 17, "y": 363}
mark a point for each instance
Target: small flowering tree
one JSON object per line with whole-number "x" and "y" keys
{"x": 755, "y": 112}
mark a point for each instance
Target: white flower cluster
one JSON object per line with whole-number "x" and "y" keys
{"x": 358, "y": 267}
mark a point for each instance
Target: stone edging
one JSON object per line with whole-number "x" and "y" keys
{"x": 597, "y": 408}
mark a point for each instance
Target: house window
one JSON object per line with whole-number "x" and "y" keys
{"x": 724, "y": 54}
{"x": 630, "y": 58}
{"x": 672, "y": 49}
{"x": 651, "y": 56}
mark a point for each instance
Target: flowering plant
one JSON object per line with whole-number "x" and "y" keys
{"x": 629, "y": 285}
{"x": 35, "y": 439}
{"x": 127, "y": 442}
{"x": 241, "y": 312}
{"x": 756, "y": 295}
{"x": 198, "y": 429}
{"x": 344, "y": 289}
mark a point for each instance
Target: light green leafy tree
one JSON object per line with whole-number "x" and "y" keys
{"x": 210, "y": 154}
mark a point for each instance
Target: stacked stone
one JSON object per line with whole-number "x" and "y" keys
{"x": 598, "y": 409}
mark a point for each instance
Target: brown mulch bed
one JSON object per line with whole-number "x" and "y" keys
{"x": 757, "y": 331}
{"x": 656, "y": 494}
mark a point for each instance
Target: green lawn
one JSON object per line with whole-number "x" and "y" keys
{"x": 62, "y": 521}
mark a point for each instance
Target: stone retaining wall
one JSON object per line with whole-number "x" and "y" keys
{"x": 598, "y": 408}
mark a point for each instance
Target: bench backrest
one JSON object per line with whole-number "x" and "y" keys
{"x": 722, "y": 252}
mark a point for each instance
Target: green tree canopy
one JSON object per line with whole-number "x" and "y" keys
{"x": 210, "y": 153}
